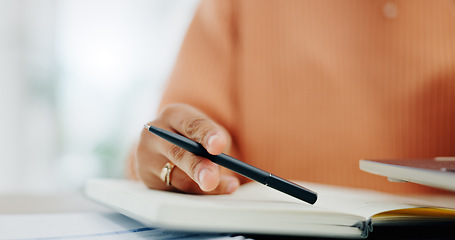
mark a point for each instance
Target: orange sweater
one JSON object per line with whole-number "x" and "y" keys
{"x": 307, "y": 88}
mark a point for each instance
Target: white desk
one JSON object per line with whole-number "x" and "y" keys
{"x": 24, "y": 203}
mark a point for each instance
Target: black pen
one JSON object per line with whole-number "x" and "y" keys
{"x": 238, "y": 166}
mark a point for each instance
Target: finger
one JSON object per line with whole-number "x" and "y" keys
{"x": 151, "y": 169}
{"x": 201, "y": 170}
{"x": 195, "y": 125}
{"x": 228, "y": 184}
{"x": 150, "y": 162}
{"x": 180, "y": 181}
{"x": 152, "y": 157}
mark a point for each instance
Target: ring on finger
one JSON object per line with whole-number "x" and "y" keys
{"x": 166, "y": 173}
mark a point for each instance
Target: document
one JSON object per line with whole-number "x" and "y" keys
{"x": 89, "y": 225}
{"x": 340, "y": 212}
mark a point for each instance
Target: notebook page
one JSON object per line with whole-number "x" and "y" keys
{"x": 361, "y": 202}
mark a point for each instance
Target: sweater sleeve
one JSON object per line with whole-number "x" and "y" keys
{"x": 204, "y": 73}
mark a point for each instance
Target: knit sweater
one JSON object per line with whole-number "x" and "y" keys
{"x": 308, "y": 88}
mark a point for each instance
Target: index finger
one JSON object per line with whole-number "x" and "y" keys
{"x": 193, "y": 124}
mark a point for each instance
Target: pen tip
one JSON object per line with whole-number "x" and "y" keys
{"x": 146, "y": 126}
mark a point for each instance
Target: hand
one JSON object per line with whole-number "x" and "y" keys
{"x": 192, "y": 174}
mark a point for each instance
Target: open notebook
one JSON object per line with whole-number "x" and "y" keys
{"x": 435, "y": 172}
{"x": 257, "y": 209}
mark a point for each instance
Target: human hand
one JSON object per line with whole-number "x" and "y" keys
{"x": 191, "y": 174}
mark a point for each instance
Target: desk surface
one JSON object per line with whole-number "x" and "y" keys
{"x": 26, "y": 203}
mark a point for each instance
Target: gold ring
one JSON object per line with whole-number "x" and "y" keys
{"x": 166, "y": 173}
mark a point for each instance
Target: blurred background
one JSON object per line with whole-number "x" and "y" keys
{"x": 78, "y": 79}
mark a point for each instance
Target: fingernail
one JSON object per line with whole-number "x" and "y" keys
{"x": 214, "y": 144}
{"x": 212, "y": 139}
{"x": 232, "y": 186}
{"x": 203, "y": 174}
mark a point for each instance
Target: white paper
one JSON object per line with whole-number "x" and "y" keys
{"x": 89, "y": 225}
